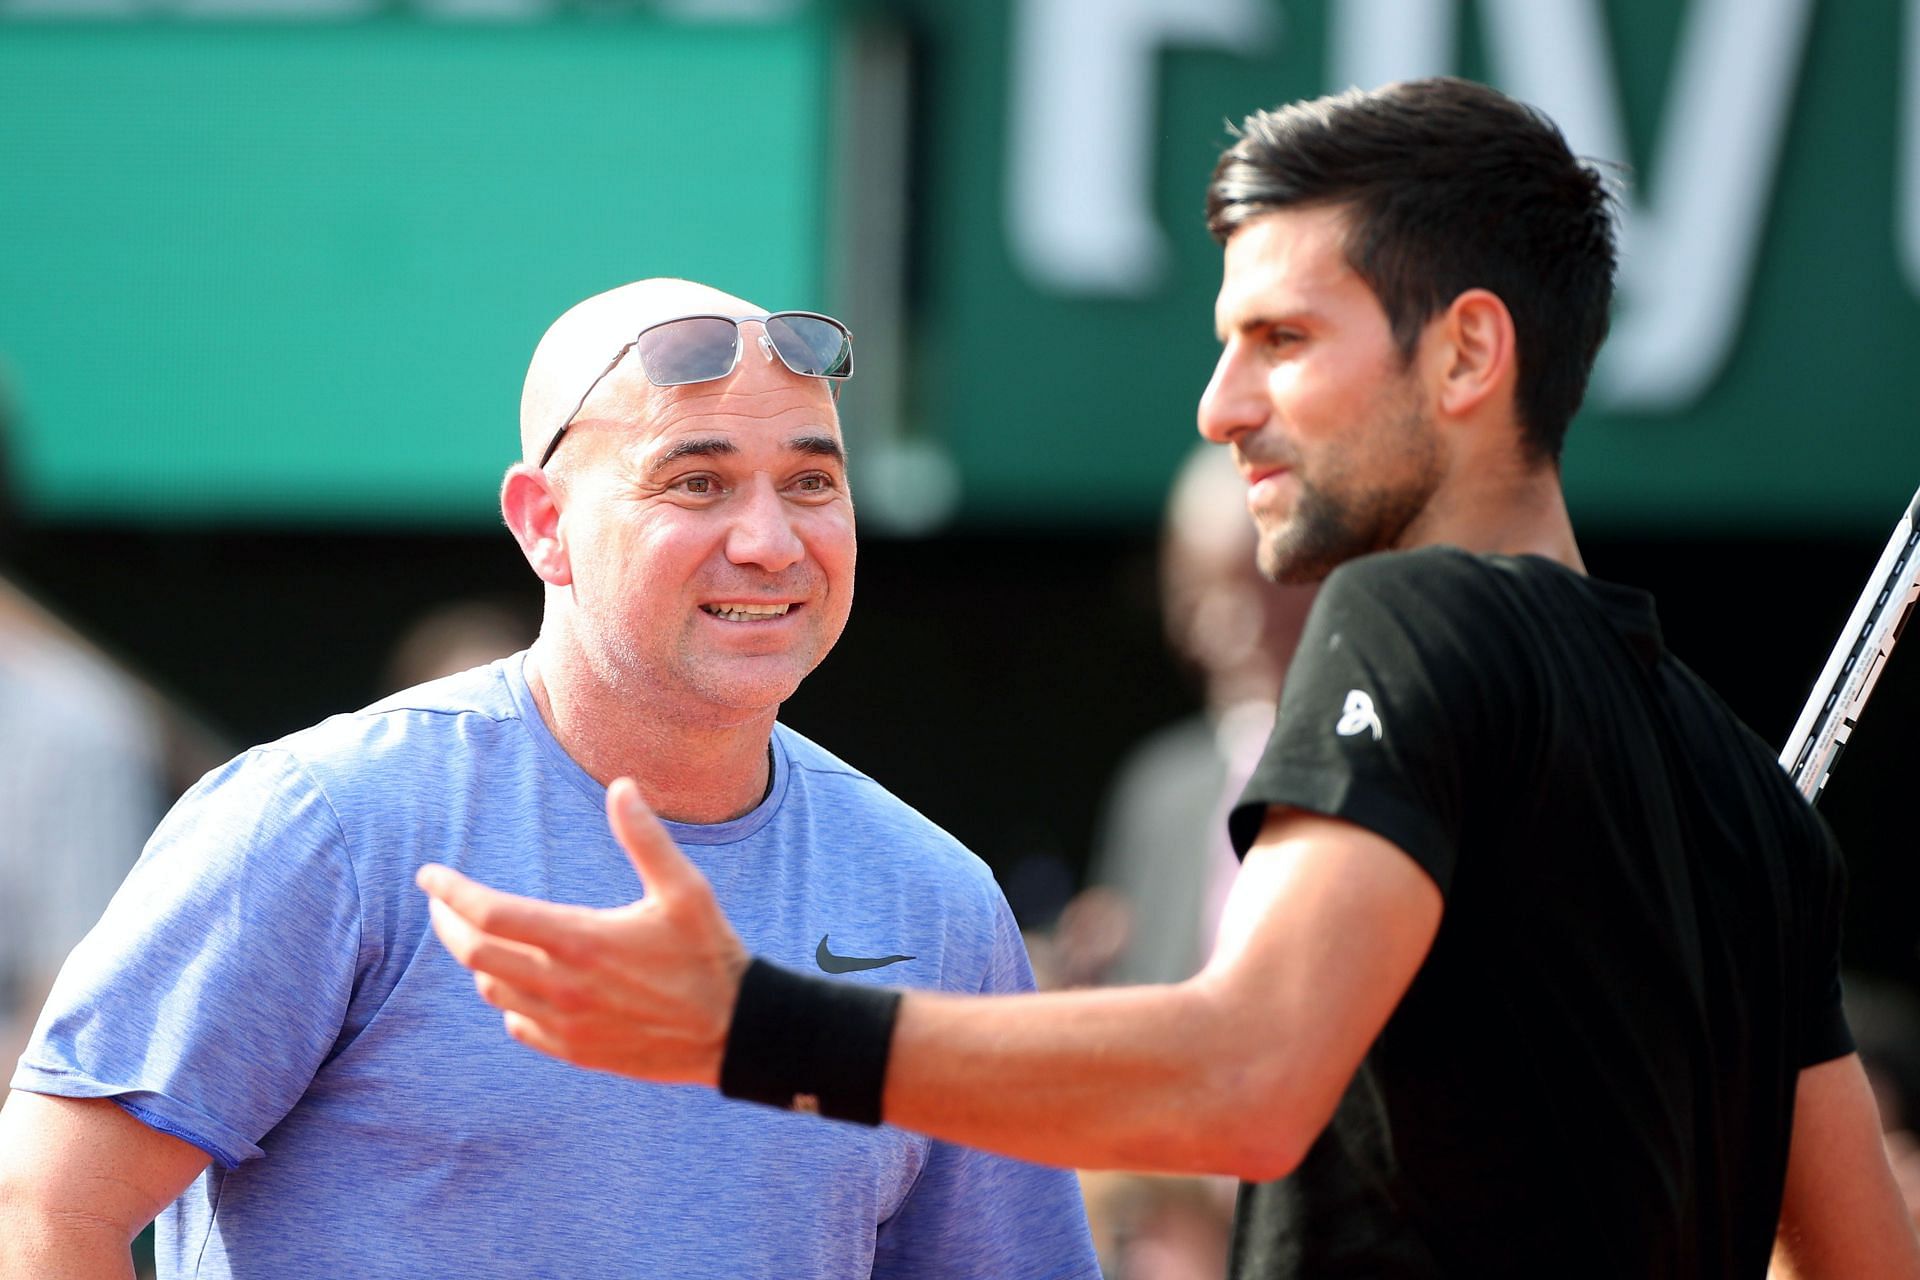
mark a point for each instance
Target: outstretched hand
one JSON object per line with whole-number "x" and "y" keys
{"x": 645, "y": 990}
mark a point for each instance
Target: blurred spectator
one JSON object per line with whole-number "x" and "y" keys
{"x": 454, "y": 637}
{"x": 1163, "y": 836}
{"x": 1163, "y": 865}
{"x": 81, "y": 790}
{"x": 94, "y": 756}
{"x": 1078, "y": 948}
{"x": 1153, "y": 1227}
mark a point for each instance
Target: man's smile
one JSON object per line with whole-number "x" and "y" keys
{"x": 747, "y": 612}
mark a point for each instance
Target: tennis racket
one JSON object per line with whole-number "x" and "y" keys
{"x": 1840, "y": 695}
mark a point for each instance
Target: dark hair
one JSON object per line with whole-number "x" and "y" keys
{"x": 1451, "y": 186}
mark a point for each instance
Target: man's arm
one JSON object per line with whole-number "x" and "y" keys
{"x": 1235, "y": 1071}
{"x": 79, "y": 1177}
{"x": 1842, "y": 1215}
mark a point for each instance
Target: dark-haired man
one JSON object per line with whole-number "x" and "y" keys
{"x": 1531, "y": 966}
{"x": 261, "y": 1039}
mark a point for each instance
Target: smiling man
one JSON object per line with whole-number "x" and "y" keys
{"x": 261, "y": 1038}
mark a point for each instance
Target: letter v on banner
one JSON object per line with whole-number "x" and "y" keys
{"x": 1693, "y": 212}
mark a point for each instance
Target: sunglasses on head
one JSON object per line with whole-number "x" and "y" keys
{"x": 706, "y": 348}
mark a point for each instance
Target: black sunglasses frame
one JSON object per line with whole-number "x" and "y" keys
{"x": 765, "y": 321}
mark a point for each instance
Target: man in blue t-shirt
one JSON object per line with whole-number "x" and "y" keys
{"x": 262, "y": 1044}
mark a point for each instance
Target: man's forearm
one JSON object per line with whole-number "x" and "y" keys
{"x": 1234, "y": 1071}
{"x": 1154, "y": 1078}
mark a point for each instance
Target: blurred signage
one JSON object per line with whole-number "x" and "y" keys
{"x": 443, "y": 10}
{"x": 292, "y": 271}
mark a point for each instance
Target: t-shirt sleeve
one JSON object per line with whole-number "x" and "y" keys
{"x": 1399, "y": 696}
{"x": 971, "y": 1214}
{"x": 217, "y": 982}
{"x": 1826, "y": 1035}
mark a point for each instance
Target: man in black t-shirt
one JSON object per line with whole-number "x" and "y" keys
{"x": 1531, "y": 965}
{"x": 1593, "y": 1071}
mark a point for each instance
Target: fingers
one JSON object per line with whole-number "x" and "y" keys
{"x": 643, "y": 989}
{"x": 549, "y": 926}
{"x": 664, "y": 871}
{"x": 483, "y": 953}
{"x": 529, "y": 1032}
{"x": 509, "y": 976}
{"x": 539, "y": 1033}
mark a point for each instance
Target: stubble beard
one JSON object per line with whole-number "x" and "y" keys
{"x": 1333, "y": 522}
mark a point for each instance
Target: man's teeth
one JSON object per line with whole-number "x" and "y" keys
{"x": 745, "y": 612}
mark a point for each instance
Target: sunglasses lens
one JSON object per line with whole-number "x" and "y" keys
{"x": 695, "y": 349}
{"x": 812, "y": 345}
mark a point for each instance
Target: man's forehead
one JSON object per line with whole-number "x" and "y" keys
{"x": 578, "y": 346}
{"x": 757, "y": 409}
{"x": 1279, "y": 261}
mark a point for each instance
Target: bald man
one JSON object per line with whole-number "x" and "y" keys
{"x": 262, "y": 1044}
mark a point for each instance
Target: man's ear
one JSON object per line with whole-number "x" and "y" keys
{"x": 1476, "y": 356}
{"x": 532, "y": 511}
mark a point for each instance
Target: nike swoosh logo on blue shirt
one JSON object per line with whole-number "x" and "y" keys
{"x": 850, "y": 964}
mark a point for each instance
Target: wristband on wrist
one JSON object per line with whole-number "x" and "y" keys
{"x": 807, "y": 1044}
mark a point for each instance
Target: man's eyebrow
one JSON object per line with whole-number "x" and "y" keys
{"x": 818, "y": 446}
{"x": 712, "y": 447}
{"x": 1255, "y": 321}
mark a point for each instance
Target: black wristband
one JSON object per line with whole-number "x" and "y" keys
{"x": 807, "y": 1044}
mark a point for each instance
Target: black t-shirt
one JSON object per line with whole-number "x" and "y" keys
{"x": 1593, "y": 1072}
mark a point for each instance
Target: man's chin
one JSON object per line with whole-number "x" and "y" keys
{"x": 1292, "y": 565}
{"x": 751, "y": 684}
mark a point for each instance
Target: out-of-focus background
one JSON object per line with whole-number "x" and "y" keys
{"x": 270, "y": 272}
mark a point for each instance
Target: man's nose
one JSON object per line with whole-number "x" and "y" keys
{"x": 762, "y": 531}
{"x": 1235, "y": 401}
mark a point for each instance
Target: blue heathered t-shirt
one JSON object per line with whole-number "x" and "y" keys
{"x": 265, "y": 985}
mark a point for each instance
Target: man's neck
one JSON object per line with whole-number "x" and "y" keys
{"x": 689, "y": 770}
{"x": 1511, "y": 510}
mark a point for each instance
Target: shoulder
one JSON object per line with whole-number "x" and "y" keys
{"x": 1744, "y": 770}
{"x": 1428, "y": 580}
{"x": 871, "y": 820}
{"x": 1408, "y": 656}
{"x": 483, "y": 694}
{"x": 422, "y": 723}
{"x": 1435, "y": 606}
{"x": 380, "y": 769}
{"x": 1450, "y": 610}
